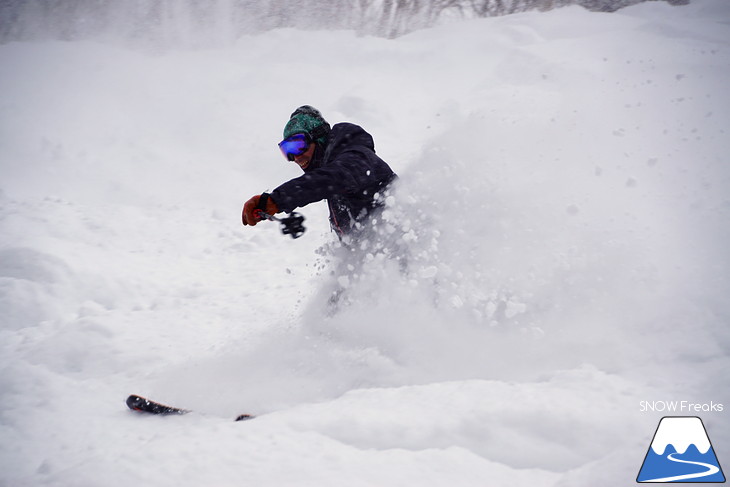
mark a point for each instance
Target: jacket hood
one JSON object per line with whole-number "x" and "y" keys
{"x": 347, "y": 136}
{"x": 342, "y": 137}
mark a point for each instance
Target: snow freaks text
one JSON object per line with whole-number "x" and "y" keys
{"x": 680, "y": 407}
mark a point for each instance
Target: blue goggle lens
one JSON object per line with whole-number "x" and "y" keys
{"x": 295, "y": 145}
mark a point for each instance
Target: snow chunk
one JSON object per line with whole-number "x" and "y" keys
{"x": 514, "y": 308}
{"x": 344, "y": 281}
{"x": 428, "y": 272}
{"x": 457, "y": 302}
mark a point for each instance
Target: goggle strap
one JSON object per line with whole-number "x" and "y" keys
{"x": 319, "y": 131}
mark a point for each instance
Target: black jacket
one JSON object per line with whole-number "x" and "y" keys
{"x": 346, "y": 172}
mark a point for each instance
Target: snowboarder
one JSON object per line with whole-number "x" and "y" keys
{"x": 339, "y": 164}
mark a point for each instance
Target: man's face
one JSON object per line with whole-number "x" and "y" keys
{"x": 305, "y": 158}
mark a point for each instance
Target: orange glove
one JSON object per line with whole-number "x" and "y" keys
{"x": 254, "y": 206}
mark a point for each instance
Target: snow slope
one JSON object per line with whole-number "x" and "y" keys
{"x": 563, "y": 204}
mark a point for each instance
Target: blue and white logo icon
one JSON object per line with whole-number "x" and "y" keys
{"x": 681, "y": 452}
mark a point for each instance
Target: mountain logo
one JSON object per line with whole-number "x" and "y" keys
{"x": 681, "y": 452}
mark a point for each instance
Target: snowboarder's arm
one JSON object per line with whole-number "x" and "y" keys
{"x": 351, "y": 172}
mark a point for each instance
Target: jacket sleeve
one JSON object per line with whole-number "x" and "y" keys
{"x": 351, "y": 172}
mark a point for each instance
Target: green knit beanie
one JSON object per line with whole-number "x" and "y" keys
{"x": 308, "y": 120}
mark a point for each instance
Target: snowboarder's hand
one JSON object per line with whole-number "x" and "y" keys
{"x": 251, "y": 215}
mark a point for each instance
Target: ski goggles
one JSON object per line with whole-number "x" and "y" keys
{"x": 293, "y": 146}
